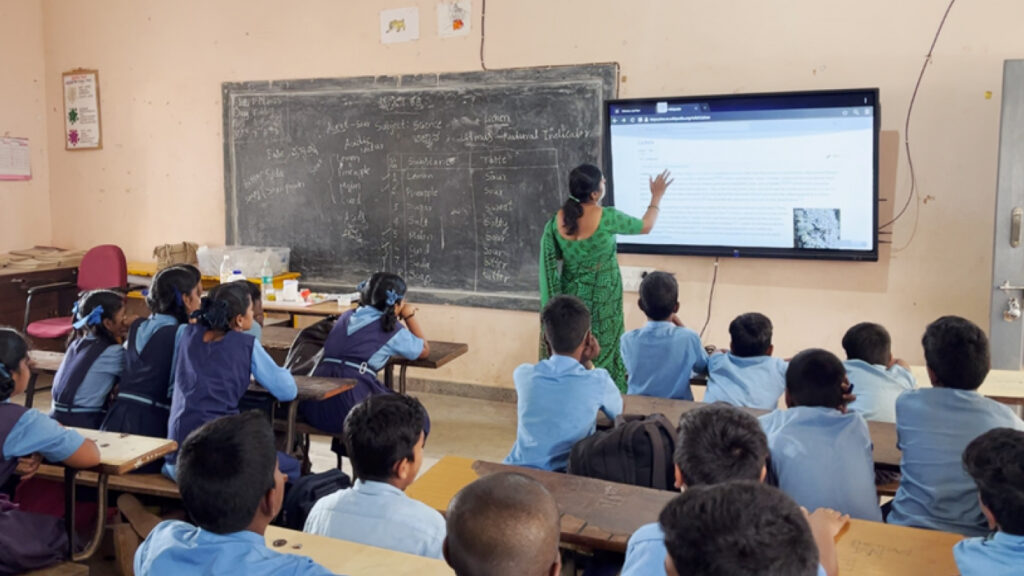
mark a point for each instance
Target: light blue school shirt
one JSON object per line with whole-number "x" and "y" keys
{"x": 660, "y": 357}
{"x": 823, "y": 459}
{"x": 404, "y": 343}
{"x": 99, "y": 380}
{"x": 645, "y": 553}
{"x": 877, "y": 388}
{"x": 378, "y": 514}
{"x": 934, "y": 426}
{"x": 754, "y": 382}
{"x": 998, "y": 554}
{"x": 37, "y": 432}
{"x": 177, "y": 548}
{"x": 557, "y": 407}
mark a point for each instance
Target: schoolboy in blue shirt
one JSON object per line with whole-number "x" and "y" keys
{"x": 747, "y": 375}
{"x": 384, "y": 436}
{"x": 232, "y": 489}
{"x": 822, "y": 454}
{"x": 559, "y": 397}
{"x": 661, "y": 356}
{"x": 878, "y": 377}
{"x": 995, "y": 460}
{"x": 935, "y": 425}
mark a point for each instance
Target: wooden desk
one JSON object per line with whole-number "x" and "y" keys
{"x": 441, "y": 353}
{"x": 323, "y": 309}
{"x": 310, "y": 388}
{"x": 278, "y": 338}
{"x": 146, "y": 270}
{"x": 1005, "y": 386}
{"x": 344, "y": 557}
{"x": 875, "y": 549}
{"x": 42, "y": 362}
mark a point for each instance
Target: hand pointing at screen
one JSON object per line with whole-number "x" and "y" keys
{"x": 658, "y": 187}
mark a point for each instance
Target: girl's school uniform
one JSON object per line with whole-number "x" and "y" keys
{"x": 90, "y": 369}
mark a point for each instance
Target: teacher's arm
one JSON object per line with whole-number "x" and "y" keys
{"x": 658, "y": 187}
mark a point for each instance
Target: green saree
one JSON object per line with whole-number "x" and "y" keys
{"x": 589, "y": 270}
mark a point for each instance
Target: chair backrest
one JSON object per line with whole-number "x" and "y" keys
{"x": 103, "y": 267}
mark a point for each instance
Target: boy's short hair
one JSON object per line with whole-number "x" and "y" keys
{"x": 751, "y": 335}
{"x": 996, "y": 462}
{"x": 957, "y": 352}
{"x": 742, "y": 528}
{"x": 255, "y": 292}
{"x": 566, "y": 321}
{"x": 225, "y": 467}
{"x": 659, "y": 294}
{"x": 504, "y": 524}
{"x": 868, "y": 342}
{"x": 718, "y": 443}
{"x": 815, "y": 378}
{"x": 380, "y": 432}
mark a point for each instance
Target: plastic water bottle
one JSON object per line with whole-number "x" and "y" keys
{"x": 225, "y": 269}
{"x": 236, "y": 275}
{"x": 267, "y": 280}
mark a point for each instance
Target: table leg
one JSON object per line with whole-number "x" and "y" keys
{"x": 289, "y": 437}
{"x": 389, "y": 376}
{"x": 69, "y": 507}
{"x": 401, "y": 378}
{"x": 101, "y": 521}
{"x": 30, "y": 392}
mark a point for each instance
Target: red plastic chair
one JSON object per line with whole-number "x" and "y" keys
{"x": 103, "y": 267}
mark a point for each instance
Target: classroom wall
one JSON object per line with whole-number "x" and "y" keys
{"x": 160, "y": 177}
{"x": 24, "y": 205}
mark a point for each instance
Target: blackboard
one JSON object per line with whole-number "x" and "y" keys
{"x": 445, "y": 179}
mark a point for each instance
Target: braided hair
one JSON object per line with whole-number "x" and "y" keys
{"x": 222, "y": 305}
{"x": 383, "y": 291}
{"x": 92, "y": 309}
{"x": 168, "y": 288}
{"x": 13, "y": 349}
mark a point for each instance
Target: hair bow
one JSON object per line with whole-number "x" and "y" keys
{"x": 574, "y": 199}
{"x": 361, "y": 286}
{"x": 393, "y": 297}
{"x": 94, "y": 317}
{"x": 177, "y": 297}
{"x": 74, "y": 310}
{"x": 3, "y": 372}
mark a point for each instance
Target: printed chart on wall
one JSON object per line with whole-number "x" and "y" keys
{"x": 82, "y": 110}
{"x": 15, "y": 159}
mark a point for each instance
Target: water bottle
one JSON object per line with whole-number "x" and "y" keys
{"x": 236, "y": 275}
{"x": 267, "y": 280}
{"x": 225, "y": 269}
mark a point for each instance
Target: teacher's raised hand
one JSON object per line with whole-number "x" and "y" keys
{"x": 659, "y": 185}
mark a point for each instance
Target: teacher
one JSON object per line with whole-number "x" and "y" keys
{"x": 581, "y": 237}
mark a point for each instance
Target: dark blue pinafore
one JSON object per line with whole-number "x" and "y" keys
{"x": 81, "y": 355}
{"x": 143, "y": 404}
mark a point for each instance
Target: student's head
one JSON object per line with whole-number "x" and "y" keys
{"x": 566, "y": 321}
{"x": 227, "y": 307}
{"x": 956, "y": 353}
{"x": 869, "y": 343}
{"x": 384, "y": 437}
{"x": 816, "y": 377}
{"x": 176, "y": 291}
{"x": 102, "y": 313}
{"x": 751, "y": 335}
{"x": 504, "y": 524}
{"x": 228, "y": 475}
{"x": 996, "y": 462}
{"x": 737, "y": 528}
{"x": 256, "y": 295}
{"x": 659, "y": 295}
{"x": 718, "y": 443}
{"x": 14, "y": 365}
{"x": 385, "y": 292}
{"x": 586, "y": 184}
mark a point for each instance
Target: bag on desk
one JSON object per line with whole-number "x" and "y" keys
{"x": 303, "y": 494}
{"x": 637, "y": 451}
{"x": 307, "y": 349}
{"x": 171, "y": 254}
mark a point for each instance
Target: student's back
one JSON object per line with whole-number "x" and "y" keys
{"x": 877, "y": 377}
{"x": 747, "y": 375}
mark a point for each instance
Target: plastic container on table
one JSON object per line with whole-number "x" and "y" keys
{"x": 248, "y": 259}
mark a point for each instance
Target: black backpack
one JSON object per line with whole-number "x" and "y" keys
{"x": 637, "y": 451}
{"x": 304, "y": 492}
{"x": 307, "y": 349}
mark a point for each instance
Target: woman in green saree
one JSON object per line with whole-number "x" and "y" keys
{"x": 577, "y": 256}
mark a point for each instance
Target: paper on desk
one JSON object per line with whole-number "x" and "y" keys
{"x": 15, "y": 159}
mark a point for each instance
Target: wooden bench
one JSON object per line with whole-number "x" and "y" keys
{"x": 62, "y": 569}
{"x": 149, "y": 484}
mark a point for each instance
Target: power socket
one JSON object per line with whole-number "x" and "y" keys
{"x": 631, "y": 277}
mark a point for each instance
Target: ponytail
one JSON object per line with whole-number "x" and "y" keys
{"x": 584, "y": 180}
{"x": 13, "y": 349}
{"x": 168, "y": 289}
{"x": 384, "y": 291}
{"x": 224, "y": 303}
{"x": 92, "y": 309}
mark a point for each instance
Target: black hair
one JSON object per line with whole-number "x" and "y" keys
{"x": 815, "y": 378}
{"x": 111, "y": 302}
{"x": 225, "y": 467}
{"x": 13, "y": 349}
{"x": 583, "y": 181}
{"x": 255, "y": 293}
{"x": 169, "y": 286}
{"x": 995, "y": 460}
{"x": 869, "y": 342}
{"x": 957, "y": 352}
{"x": 380, "y": 432}
{"x": 375, "y": 293}
{"x": 751, "y": 335}
{"x": 222, "y": 305}
{"x": 566, "y": 321}
{"x": 742, "y": 528}
{"x": 718, "y": 443}
{"x": 659, "y": 294}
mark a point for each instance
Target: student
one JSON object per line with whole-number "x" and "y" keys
{"x": 258, "y": 315}
{"x": 559, "y": 397}
{"x": 934, "y": 426}
{"x": 995, "y": 460}
{"x": 661, "y": 356}
{"x": 504, "y": 524}
{"x": 213, "y": 366}
{"x": 143, "y": 401}
{"x": 822, "y": 454}
{"x": 232, "y": 489}
{"x": 878, "y": 377}
{"x": 93, "y": 363}
{"x": 29, "y": 541}
{"x": 747, "y": 375}
{"x": 384, "y": 437}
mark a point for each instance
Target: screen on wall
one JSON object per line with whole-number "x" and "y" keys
{"x": 791, "y": 175}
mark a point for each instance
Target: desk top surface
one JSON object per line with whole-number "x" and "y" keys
{"x": 123, "y": 453}
{"x": 314, "y": 387}
{"x": 328, "y": 308}
{"x": 343, "y": 557}
{"x": 441, "y": 353}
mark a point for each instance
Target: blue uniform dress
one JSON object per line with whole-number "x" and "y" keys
{"x": 378, "y": 514}
{"x": 557, "y": 407}
{"x": 660, "y": 357}
{"x": 177, "y": 548}
{"x": 90, "y": 369}
{"x": 754, "y": 382}
{"x": 934, "y": 426}
{"x": 877, "y": 388}
{"x": 30, "y": 541}
{"x": 822, "y": 458}
{"x": 998, "y": 554}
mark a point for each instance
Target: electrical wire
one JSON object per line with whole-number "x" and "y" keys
{"x": 483, "y": 28}
{"x": 711, "y": 299}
